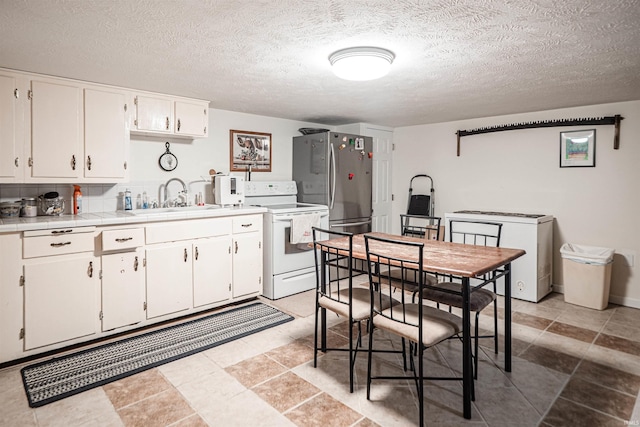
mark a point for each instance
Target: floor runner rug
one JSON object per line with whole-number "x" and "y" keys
{"x": 61, "y": 377}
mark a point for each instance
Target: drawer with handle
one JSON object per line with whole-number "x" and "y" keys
{"x": 60, "y": 241}
{"x": 126, "y": 238}
{"x": 247, "y": 223}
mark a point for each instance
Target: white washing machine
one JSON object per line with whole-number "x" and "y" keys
{"x": 531, "y": 274}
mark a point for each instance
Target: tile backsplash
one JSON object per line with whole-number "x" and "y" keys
{"x": 107, "y": 197}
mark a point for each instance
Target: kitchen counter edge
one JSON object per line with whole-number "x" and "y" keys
{"x": 117, "y": 218}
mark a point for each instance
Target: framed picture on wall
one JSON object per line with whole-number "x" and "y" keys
{"x": 578, "y": 148}
{"x": 249, "y": 149}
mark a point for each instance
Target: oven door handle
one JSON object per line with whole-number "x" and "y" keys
{"x": 350, "y": 224}
{"x": 290, "y": 217}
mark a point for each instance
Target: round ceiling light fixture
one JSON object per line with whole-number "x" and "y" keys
{"x": 361, "y": 63}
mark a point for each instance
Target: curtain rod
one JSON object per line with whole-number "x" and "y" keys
{"x": 609, "y": 120}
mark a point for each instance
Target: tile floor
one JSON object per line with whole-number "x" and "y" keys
{"x": 572, "y": 366}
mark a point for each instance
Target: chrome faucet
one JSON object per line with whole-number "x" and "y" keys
{"x": 184, "y": 193}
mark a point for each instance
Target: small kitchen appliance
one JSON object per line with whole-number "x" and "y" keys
{"x": 228, "y": 190}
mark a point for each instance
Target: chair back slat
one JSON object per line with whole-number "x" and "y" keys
{"x": 480, "y": 233}
{"x": 384, "y": 255}
{"x": 333, "y": 266}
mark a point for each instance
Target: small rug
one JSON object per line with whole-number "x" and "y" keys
{"x": 55, "y": 379}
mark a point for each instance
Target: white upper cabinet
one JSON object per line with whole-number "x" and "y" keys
{"x": 68, "y": 131}
{"x": 10, "y": 144}
{"x": 56, "y": 130}
{"x": 79, "y": 133}
{"x": 106, "y": 136}
{"x": 153, "y": 114}
{"x": 165, "y": 115}
{"x": 191, "y": 119}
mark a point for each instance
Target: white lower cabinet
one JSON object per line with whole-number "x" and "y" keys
{"x": 123, "y": 298}
{"x": 247, "y": 264}
{"x": 168, "y": 279}
{"x": 247, "y": 255}
{"x": 61, "y": 299}
{"x": 212, "y": 270}
{"x": 11, "y": 297}
{"x": 61, "y": 287}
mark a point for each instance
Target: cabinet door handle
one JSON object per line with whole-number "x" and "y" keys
{"x": 178, "y": 125}
{"x": 73, "y": 162}
{"x": 167, "y": 127}
{"x": 61, "y": 231}
{"x": 247, "y": 225}
{"x": 123, "y": 239}
{"x": 185, "y": 254}
{"x": 57, "y": 245}
{"x": 17, "y": 161}
{"x": 196, "y": 253}
{"x": 236, "y": 247}
{"x": 89, "y": 162}
{"x": 90, "y": 270}
{"x": 135, "y": 264}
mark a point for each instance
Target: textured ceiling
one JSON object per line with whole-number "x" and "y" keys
{"x": 455, "y": 59}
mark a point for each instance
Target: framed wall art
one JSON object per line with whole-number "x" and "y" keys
{"x": 249, "y": 149}
{"x": 578, "y": 148}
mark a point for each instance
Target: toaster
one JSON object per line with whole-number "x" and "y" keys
{"x": 228, "y": 190}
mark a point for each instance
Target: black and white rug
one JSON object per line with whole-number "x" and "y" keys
{"x": 55, "y": 379}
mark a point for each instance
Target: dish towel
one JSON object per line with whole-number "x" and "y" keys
{"x": 301, "y": 228}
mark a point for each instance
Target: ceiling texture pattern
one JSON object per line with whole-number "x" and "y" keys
{"x": 455, "y": 59}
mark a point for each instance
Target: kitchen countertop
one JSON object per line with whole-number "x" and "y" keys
{"x": 117, "y": 218}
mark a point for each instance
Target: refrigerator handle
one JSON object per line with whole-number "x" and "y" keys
{"x": 350, "y": 224}
{"x": 332, "y": 193}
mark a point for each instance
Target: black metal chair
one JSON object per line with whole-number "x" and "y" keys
{"x": 424, "y": 227}
{"x": 335, "y": 292}
{"x": 422, "y": 325}
{"x": 448, "y": 291}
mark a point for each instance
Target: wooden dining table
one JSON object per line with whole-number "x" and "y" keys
{"x": 464, "y": 261}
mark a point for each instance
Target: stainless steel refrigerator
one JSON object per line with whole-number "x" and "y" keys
{"x": 334, "y": 169}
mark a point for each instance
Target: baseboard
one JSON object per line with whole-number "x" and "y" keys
{"x": 615, "y": 299}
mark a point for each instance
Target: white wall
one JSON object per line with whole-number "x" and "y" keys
{"x": 518, "y": 171}
{"x": 195, "y": 158}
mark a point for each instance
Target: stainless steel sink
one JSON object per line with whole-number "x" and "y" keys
{"x": 172, "y": 209}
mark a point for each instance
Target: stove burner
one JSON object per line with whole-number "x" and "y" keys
{"x": 515, "y": 214}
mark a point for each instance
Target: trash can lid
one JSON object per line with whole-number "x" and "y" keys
{"x": 587, "y": 254}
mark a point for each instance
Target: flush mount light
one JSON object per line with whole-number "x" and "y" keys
{"x": 361, "y": 63}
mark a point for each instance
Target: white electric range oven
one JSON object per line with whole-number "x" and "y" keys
{"x": 289, "y": 268}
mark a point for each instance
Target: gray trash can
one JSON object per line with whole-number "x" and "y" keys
{"x": 587, "y": 275}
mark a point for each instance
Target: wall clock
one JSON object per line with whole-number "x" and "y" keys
{"x": 167, "y": 160}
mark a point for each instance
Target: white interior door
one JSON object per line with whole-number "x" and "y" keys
{"x": 381, "y": 198}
